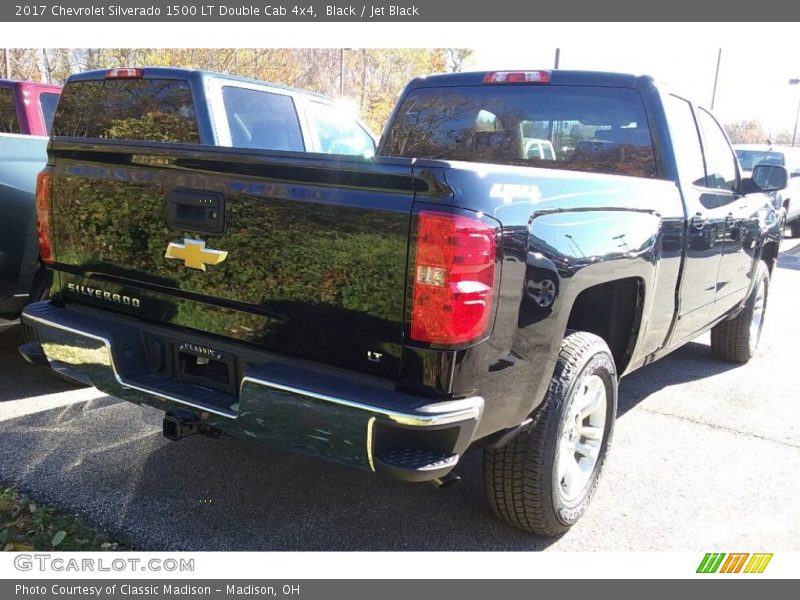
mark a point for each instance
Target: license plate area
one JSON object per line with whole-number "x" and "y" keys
{"x": 205, "y": 367}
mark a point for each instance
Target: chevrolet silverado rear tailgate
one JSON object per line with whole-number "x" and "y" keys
{"x": 300, "y": 254}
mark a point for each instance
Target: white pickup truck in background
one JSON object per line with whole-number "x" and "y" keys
{"x": 751, "y": 155}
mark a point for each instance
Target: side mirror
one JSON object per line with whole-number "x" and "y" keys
{"x": 770, "y": 178}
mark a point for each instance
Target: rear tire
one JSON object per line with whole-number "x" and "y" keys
{"x": 794, "y": 228}
{"x": 736, "y": 340}
{"x": 544, "y": 479}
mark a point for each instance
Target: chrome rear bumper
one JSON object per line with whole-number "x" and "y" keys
{"x": 287, "y": 404}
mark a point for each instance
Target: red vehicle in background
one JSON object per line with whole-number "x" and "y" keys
{"x": 33, "y": 105}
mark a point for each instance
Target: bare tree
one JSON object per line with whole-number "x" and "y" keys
{"x": 458, "y": 58}
{"x": 748, "y": 131}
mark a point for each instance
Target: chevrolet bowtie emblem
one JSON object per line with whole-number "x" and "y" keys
{"x": 194, "y": 254}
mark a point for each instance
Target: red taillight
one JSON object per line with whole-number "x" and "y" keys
{"x": 453, "y": 278}
{"x": 44, "y": 216}
{"x": 517, "y": 77}
{"x": 125, "y": 73}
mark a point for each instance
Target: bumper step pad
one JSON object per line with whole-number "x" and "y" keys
{"x": 414, "y": 464}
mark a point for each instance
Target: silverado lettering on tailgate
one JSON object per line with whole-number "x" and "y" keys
{"x": 103, "y": 295}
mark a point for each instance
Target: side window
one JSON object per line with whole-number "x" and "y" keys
{"x": 720, "y": 160}
{"x": 8, "y": 113}
{"x": 48, "y": 102}
{"x": 686, "y": 140}
{"x": 337, "y": 132}
{"x": 259, "y": 119}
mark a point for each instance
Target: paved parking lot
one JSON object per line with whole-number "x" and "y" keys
{"x": 705, "y": 457}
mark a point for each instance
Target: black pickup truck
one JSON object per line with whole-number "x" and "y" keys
{"x": 520, "y": 241}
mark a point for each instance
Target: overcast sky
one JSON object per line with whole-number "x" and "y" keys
{"x": 753, "y": 77}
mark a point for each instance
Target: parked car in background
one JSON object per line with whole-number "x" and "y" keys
{"x": 750, "y": 155}
{"x": 26, "y": 112}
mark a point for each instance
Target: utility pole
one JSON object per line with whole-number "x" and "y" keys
{"x": 558, "y": 57}
{"x": 716, "y": 79}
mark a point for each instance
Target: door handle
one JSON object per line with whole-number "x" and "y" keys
{"x": 699, "y": 220}
{"x": 195, "y": 210}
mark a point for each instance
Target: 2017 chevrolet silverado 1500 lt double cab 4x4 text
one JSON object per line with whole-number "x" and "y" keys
{"x": 26, "y": 111}
{"x": 455, "y": 291}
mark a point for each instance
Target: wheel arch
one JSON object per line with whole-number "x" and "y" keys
{"x": 618, "y": 323}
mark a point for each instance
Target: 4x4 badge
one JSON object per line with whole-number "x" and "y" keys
{"x": 194, "y": 254}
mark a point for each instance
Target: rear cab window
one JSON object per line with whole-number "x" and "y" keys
{"x": 148, "y": 110}
{"x": 578, "y": 128}
{"x": 9, "y": 123}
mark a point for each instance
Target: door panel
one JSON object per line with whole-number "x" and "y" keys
{"x": 705, "y": 232}
{"x": 742, "y": 232}
{"x": 740, "y": 215}
{"x": 705, "y": 225}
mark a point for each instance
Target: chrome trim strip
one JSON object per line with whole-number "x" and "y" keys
{"x": 417, "y": 420}
{"x": 24, "y": 136}
{"x": 117, "y": 376}
{"x": 371, "y": 461}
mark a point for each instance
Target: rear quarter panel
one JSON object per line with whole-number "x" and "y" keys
{"x": 581, "y": 230}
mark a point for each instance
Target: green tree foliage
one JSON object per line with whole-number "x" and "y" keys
{"x": 156, "y": 126}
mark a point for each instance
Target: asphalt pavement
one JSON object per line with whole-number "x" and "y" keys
{"x": 705, "y": 457}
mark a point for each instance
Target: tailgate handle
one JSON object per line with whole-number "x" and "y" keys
{"x": 194, "y": 210}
